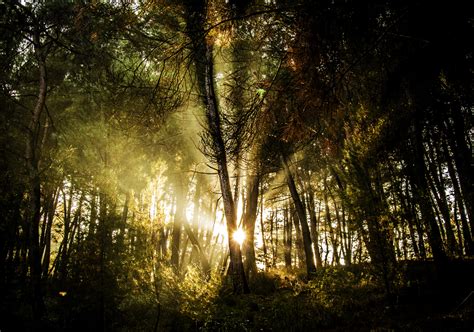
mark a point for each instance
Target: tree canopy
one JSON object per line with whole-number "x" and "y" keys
{"x": 138, "y": 137}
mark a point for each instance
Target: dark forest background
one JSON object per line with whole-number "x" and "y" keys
{"x": 138, "y": 137}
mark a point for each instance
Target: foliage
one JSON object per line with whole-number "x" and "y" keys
{"x": 108, "y": 199}
{"x": 336, "y": 298}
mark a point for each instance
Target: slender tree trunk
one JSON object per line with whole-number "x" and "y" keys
{"x": 272, "y": 240}
{"x": 287, "y": 240}
{"x": 300, "y": 210}
{"x": 262, "y": 230}
{"x": 46, "y": 235}
{"x": 275, "y": 238}
{"x": 462, "y": 156}
{"x": 458, "y": 228}
{"x": 348, "y": 237}
{"x": 179, "y": 220}
{"x": 467, "y": 239}
{"x": 421, "y": 194}
{"x": 102, "y": 232}
{"x": 314, "y": 226}
{"x": 32, "y": 156}
{"x": 67, "y": 207}
{"x": 439, "y": 193}
{"x": 206, "y": 268}
{"x": 335, "y": 238}
{"x": 407, "y": 215}
{"x": 250, "y": 217}
{"x": 415, "y": 220}
{"x": 195, "y": 222}
{"x": 300, "y": 254}
{"x": 204, "y": 63}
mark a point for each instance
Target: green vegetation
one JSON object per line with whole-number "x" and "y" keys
{"x": 171, "y": 165}
{"x": 337, "y": 299}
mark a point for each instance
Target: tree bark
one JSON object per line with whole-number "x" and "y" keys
{"x": 462, "y": 156}
{"x": 32, "y": 156}
{"x": 300, "y": 210}
{"x": 468, "y": 243}
{"x": 421, "y": 194}
{"x": 262, "y": 231}
{"x": 287, "y": 239}
{"x": 314, "y": 225}
{"x": 435, "y": 180}
{"x": 250, "y": 217}
{"x": 204, "y": 63}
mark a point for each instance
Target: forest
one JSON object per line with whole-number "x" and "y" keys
{"x": 236, "y": 165}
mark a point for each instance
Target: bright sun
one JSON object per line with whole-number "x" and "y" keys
{"x": 239, "y": 236}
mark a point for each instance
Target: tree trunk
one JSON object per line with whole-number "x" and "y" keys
{"x": 462, "y": 156}
{"x": 32, "y": 156}
{"x": 179, "y": 220}
{"x": 421, "y": 194}
{"x": 287, "y": 239}
{"x": 204, "y": 64}
{"x": 314, "y": 226}
{"x": 206, "y": 268}
{"x": 335, "y": 238}
{"x": 196, "y": 218}
{"x": 300, "y": 210}
{"x": 300, "y": 254}
{"x": 253, "y": 183}
{"x": 435, "y": 180}
{"x": 468, "y": 243}
{"x": 262, "y": 230}
{"x": 67, "y": 207}
{"x": 46, "y": 235}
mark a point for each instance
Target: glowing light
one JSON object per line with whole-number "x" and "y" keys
{"x": 153, "y": 206}
{"x": 239, "y": 236}
{"x": 62, "y": 293}
{"x": 220, "y": 230}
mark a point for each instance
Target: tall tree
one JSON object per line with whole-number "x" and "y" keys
{"x": 202, "y": 53}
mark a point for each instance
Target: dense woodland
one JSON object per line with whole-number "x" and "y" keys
{"x": 235, "y": 165}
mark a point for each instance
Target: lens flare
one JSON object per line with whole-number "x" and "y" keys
{"x": 239, "y": 236}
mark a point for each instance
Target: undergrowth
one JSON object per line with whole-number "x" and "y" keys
{"x": 336, "y": 299}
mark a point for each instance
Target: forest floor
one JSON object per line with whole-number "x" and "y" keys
{"x": 424, "y": 298}
{"x": 346, "y": 299}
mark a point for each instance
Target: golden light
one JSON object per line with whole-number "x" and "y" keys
{"x": 239, "y": 236}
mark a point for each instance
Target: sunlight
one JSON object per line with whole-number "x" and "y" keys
{"x": 239, "y": 236}
{"x": 152, "y": 212}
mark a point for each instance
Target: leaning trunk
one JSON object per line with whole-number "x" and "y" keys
{"x": 300, "y": 210}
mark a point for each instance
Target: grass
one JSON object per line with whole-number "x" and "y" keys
{"x": 347, "y": 299}
{"x": 425, "y": 297}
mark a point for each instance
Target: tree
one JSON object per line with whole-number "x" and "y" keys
{"x": 202, "y": 52}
